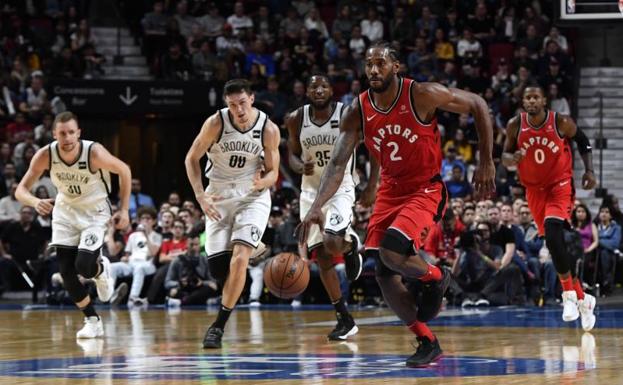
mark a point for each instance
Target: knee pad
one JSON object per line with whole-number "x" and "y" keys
{"x": 555, "y": 239}
{"x": 380, "y": 270}
{"x": 219, "y": 268}
{"x": 395, "y": 241}
{"x": 87, "y": 263}
{"x": 66, "y": 260}
{"x": 66, "y": 264}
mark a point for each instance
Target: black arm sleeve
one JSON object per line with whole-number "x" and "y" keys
{"x": 584, "y": 146}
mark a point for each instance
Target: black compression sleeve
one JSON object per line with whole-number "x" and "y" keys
{"x": 584, "y": 146}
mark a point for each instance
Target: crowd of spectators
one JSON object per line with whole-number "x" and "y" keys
{"x": 493, "y": 48}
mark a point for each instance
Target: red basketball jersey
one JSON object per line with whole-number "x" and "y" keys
{"x": 547, "y": 157}
{"x": 408, "y": 150}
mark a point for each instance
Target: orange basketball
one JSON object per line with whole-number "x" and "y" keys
{"x": 286, "y": 275}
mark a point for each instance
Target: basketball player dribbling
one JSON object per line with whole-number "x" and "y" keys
{"x": 313, "y": 130}
{"x": 537, "y": 143}
{"x": 79, "y": 169}
{"x": 242, "y": 146}
{"x": 396, "y": 120}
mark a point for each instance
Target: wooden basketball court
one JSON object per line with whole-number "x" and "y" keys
{"x": 279, "y": 345}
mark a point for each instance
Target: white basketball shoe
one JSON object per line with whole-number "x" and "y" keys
{"x": 570, "y": 302}
{"x": 104, "y": 282}
{"x": 586, "y": 307}
{"x": 92, "y": 328}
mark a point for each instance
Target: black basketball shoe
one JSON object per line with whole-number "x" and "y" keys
{"x": 353, "y": 260}
{"x": 345, "y": 328}
{"x": 213, "y": 337}
{"x": 425, "y": 353}
{"x": 431, "y": 297}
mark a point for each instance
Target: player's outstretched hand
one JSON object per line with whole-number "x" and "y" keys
{"x": 121, "y": 220}
{"x": 588, "y": 180}
{"x": 258, "y": 184}
{"x": 207, "y": 201}
{"x": 484, "y": 178}
{"x": 308, "y": 165}
{"x": 44, "y": 206}
{"x": 367, "y": 196}
{"x": 313, "y": 217}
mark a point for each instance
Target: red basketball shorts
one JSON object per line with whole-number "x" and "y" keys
{"x": 553, "y": 201}
{"x": 407, "y": 208}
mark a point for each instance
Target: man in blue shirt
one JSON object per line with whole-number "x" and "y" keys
{"x": 137, "y": 199}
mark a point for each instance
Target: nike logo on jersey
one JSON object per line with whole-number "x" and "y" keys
{"x": 369, "y": 118}
{"x": 403, "y": 112}
{"x": 525, "y": 129}
{"x": 428, "y": 191}
{"x": 564, "y": 183}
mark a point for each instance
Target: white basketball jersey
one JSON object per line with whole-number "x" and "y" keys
{"x": 77, "y": 185}
{"x": 317, "y": 142}
{"x": 237, "y": 155}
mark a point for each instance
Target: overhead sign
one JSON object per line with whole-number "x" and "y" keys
{"x": 126, "y": 98}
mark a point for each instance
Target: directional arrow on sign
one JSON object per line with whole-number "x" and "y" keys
{"x": 128, "y": 99}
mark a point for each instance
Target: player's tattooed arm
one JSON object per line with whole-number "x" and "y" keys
{"x": 567, "y": 127}
{"x": 39, "y": 163}
{"x": 350, "y": 128}
{"x": 102, "y": 159}
{"x": 429, "y": 97}
{"x": 297, "y": 164}
{"x": 271, "y": 139}
{"x": 512, "y": 155}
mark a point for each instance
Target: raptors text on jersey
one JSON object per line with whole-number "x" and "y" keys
{"x": 547, "y": 155}
{"x": 408, "y": 150}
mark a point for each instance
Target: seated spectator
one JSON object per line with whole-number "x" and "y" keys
{"x": 22, "y": 240}
{"x": 291, "y": 25}
{"x": 169, "y": 251}
{"x": 353, "y": 93}
{"x": 468, "y": 218}
{"x": 372, "y": 27}
{"x": 460, "y": 142}
{"x": 477, "y": 262}
{"x": 66, "y": 65}
{"x": 230, "y": 48}
{"x": 114, "y": 242}
{"x": 239, "y": 21}
{"x": 609, "y": 241}
{"x": 468, "y": 46}
{"x": 10, "y": 207}
{"x": 175, "y": 65}
{"x": 441, "y": 239}
{"x": 444, "y": 50}
{"x": 82, "y": 36}
{"x": 16, "y": 129}
{"x": 557, "y": 102}
{"x": 24, "y": 162}
{"x": 92, "y": 62}
{"x": 275, "y": 102}
{"x": 482, "y": 24}
{"x": 206, "y": 64}
{"x": 212, "y": 22}
{"x": 34, "y": 100}
{"x": 260, "y": 57}
{"x": 449, "y": 162}
{"x": 154, "y": 29}
{"x": 316, "y": 25}
{"x": 140, "y": 251}
{"x": 264, "y": 25}
{"x": 421, "y": 61}
{"x": 43, "y": 132}
{"x": 184, "y": 20}
{"x": 457, "y": 186}
{"x": 554, "y": 34}
{"x": 165, "y": 224}
{"x": 532, "y": 41}
{"x": 188, "y": 280}
{"x": 582, "y": 223}
{"x": 138, "y": 199}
